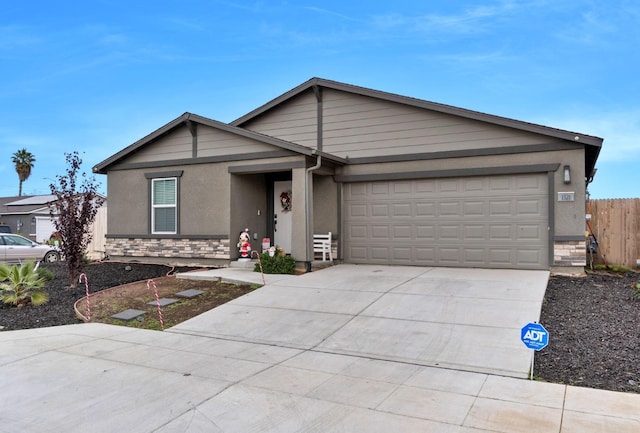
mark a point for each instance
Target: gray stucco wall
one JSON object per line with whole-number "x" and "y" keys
{"x": 325, "y": 205}
{"x": 201, "y": 190}
{"x": 248, "y": 197}
{"x": 128, "y": 205}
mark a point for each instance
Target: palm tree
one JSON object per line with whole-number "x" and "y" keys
{"x": 24, "y": 163}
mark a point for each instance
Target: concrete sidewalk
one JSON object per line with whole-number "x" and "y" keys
{"x": 208, "y": 376}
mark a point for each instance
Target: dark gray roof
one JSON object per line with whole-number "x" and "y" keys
{"x": 592, "y": 144}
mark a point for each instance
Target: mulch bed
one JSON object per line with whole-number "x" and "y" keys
{"x": 594, "y": 332}
{"x": 59, "y": 309}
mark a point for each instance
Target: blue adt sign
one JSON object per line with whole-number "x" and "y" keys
{"x": 534, "y": 336}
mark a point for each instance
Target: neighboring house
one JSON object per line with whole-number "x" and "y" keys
{"x": 396, "y": 180}
{"x": 30, "y": 217}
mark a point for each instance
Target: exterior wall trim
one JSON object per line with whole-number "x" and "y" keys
{"x": 568, "y": 238}
{"x": 176, "y": 236}
{"x": 156, "y": 175}
{"x": 266, "y": 168}
{"x": 481, "y": 171}
{"x": 205, "y": 160}
{"x": 546, "y": 147}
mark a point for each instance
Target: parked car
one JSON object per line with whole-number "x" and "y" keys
{"x": 16, "y": 249}
{"x": 5, "y": 228}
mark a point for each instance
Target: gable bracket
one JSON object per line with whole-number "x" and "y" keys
{"x": 317, "y": 90}
{"x": 193, "y": 129}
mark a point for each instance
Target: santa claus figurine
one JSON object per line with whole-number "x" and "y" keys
{"x": 244, "y": 246}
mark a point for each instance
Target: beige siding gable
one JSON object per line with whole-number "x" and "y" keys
{"x": 215, "y": 142}
{"x": 358, "y": 126}
{"x": 294, "y": 120}
{"x": 174, "y": 145}
{"x": 178, "y": 145}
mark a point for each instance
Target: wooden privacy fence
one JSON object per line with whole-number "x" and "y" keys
{"x": 96, "y": 248}
{"x": 616, "y": 225}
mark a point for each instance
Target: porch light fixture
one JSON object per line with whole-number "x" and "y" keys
{"x": 567, "y": 174}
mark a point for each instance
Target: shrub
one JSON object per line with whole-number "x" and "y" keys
{"x": 46, "y": 274}
{"x": 278, "y": 264}
{"x": 618, "y": 269}
{"x": 19, "y": 284}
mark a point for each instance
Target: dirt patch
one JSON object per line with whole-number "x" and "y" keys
{"x": 141, "y": 296}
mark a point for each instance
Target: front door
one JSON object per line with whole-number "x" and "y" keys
{"x": 282, "y": 220}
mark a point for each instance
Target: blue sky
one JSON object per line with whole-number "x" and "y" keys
{"x": 96, "y": 76}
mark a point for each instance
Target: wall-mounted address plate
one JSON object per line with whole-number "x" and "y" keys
{"x": 566, "y": 196}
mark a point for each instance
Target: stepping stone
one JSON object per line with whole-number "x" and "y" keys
{"x": 191, "y": 293}
{"x": 163, "y": 302}
{"x": 129, "y": 314}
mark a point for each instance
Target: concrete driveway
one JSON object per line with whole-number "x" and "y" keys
{"x": 347, "y": 349}
{"x": 466, "y": 319}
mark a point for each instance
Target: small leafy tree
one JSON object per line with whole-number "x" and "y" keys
{"x": 19, "y": 284}
{"x": 73, "y": 212}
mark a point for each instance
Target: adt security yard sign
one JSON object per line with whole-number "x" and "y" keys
{"x": 534, "y": 336}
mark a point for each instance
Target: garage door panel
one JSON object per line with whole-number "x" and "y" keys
{"x": 449, "y": 256}
{"x": 530, "y": 256}
{"x": 358, "y": 253}
{"x": 380, "y": 189}
{"x": 380, "y": 210}
{"x": 404, "y": 232}
{"x": 449, "y": 233}
{"x": 475, "y": 232}
{"x": 500, "y": 207}
{"x": 401, "y": 210}
{"x": 500, "y": 256}
{"x": 448, "y": 208}
{"x": 474, "y": 208}
{"x": 380, "y": 253}
{"x": 425, "y": 232}
{"x": 529, "y": 207}
{"x": 402, "y": 188}
{"x": 529, "y": 233}
{"x": 425, "y": 210}
{"x": 380, "y": 232}
{"x": 500, "y": 232}
{"x": 475, "y": 256}
{"x": 358, "y": 232}
{"x": 357, "y": 210}
{"x": 404, "y": 254}
{"x": 491, "y": 221}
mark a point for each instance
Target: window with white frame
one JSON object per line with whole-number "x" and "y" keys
{"x": 164, "y": 205}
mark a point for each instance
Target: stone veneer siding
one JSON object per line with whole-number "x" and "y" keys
{"x": 569, "y": 253}
{"x": 183, "y": 248}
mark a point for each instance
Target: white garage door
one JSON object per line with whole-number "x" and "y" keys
{"x": 44, "y": 229}
{"x": 483, "y": 221}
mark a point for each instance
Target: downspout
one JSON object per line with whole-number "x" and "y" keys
{"x": 317, "y": 91}
{"x": 309, "y": 232}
